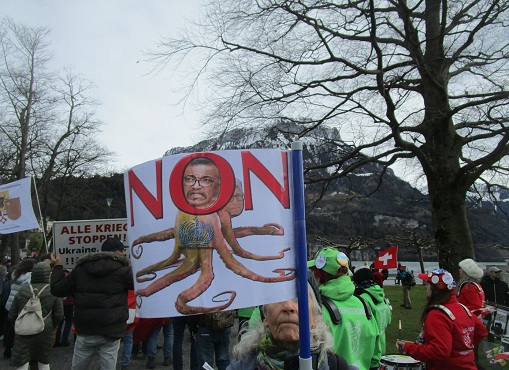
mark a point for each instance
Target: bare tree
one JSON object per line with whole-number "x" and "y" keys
{"x": 354, "y": 244}
{"x": 418, "y": 82}
{"x": 418, "y": 242}
{"x": 47, "y": 124}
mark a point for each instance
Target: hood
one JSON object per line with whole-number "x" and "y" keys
{"x": 102, "y": 263}
{"x": 23, "y": 278}
{"x": 41, "y": 273}
{"x": 377, "y": 292}
{"x": 339, "y": 289}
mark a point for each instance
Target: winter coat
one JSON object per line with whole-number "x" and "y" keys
{"x": 16, "y": 286}
{"x": 36, "y": 347}
{"x": 356, "y": 336}
{"x": 6, "y": 291}
{"x": 496, "y": 291}
{"x": 448, "y": 344}
{"x": 471, "y": 295}
{"x": 99, "y": 283}
{"x": 381, "y": 310}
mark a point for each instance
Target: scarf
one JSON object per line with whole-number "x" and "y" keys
{"x": 271, "y": 356}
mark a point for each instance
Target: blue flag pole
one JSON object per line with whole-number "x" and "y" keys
{"x": 299, "y": 217}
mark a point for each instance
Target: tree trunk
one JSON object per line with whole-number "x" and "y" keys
{"x": 421, "y": 260}
{"x": 450, "y": 226}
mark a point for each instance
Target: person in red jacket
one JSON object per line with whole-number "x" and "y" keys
{"x": 450, "y": 330}
{"x": 470, "y": 293}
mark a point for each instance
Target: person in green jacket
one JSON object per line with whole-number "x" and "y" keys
{"x": 380, "y": 306}
{"x": 354, "y": 329}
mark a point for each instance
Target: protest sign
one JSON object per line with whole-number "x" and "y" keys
{"x": 211, "y": 231}
{"x": 73, "y": 239}
{"x": 16, "y": 211}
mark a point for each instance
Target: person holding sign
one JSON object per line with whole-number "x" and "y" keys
{"x": 196, "y": 236}
{"x": 272, "y": 340}
{"x": 450, "y": 330}
{"x": 99, "y": 283}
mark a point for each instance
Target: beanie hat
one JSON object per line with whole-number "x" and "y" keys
{"x": 112, "y": 245}
{"x": 41, "y": 273}
{"x": 362, "y": 274}
{"x": 440, "y": 278}
{"x": 471, "y": 268}
{"x": 329, "y": 260}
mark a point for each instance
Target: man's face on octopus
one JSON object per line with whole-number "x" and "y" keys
{"x": 236, "y": 204}
{"x": 201, "y": 183}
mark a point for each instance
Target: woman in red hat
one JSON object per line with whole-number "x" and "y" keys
{"x": 450, "y": 330}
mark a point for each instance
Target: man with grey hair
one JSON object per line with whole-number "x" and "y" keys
{"x": 495, "y": 289}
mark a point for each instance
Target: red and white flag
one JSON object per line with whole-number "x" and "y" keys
{"x": 16, "y": 211}
{"x": 387, "y": 259}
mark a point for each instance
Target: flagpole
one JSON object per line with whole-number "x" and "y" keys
{"x": 40, "y": 215}
{"x": 299, "y": 217}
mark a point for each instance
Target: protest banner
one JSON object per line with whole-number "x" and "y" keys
{"x": 73, "y": 239}
{"x": 16, "y": 211}
{"x": 211, "y": 231}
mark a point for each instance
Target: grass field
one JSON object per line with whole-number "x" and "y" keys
{"x": 410, "y": 319}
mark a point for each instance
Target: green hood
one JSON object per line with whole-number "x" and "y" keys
{"x": 339, "y": 289}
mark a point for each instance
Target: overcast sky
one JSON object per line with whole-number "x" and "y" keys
{"x": 104, "y": 40}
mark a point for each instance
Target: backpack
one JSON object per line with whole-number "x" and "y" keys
{"x": 221, "y": 320}
{"x": 410, "y": 279}
{"x": 30, "y": 320}
{"x": 334, "y": 313}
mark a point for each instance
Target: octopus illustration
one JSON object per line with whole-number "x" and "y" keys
{"x": 196, "y": 237}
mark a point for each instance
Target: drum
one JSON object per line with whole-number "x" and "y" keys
{"x": 400, "y": 362}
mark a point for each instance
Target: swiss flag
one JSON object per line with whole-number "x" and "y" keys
{"x": 387, "y": 259}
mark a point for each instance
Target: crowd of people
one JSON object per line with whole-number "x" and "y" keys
{"x": 93, "y": 306}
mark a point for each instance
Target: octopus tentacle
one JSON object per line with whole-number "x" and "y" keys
{"x": 184, "y": 270}
{"x": 203, "y": 282}
{"x": 285, "y": 271}
{"x": 152, "y": 274}
{"x": 184, "y": 309}
{"x": 243, "y": 271}
{"x": 229, "y": 236}
{"x": 173, "y": 261}
{"x": 136, "y": 253}
{"x": 141, "y": 279}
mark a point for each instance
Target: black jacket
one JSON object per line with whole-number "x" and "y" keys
{"x": 496, "y": 291}
{"x": 99, "y": 284}
{"x": 5, "y": 290}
